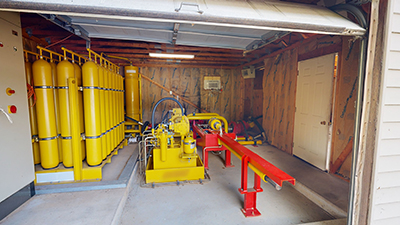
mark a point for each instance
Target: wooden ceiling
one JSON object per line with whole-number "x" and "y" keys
{"x": 53, "y": 37}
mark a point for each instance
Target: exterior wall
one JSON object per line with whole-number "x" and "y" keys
{"x": 385, "y": 193}
{"x": 188, "y": 83}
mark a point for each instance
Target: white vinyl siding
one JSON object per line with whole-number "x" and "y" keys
{"x": 386, "y": 177}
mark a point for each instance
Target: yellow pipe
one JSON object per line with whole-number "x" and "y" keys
{"x": 163, "y": 146}
{"x": 47, "y": 128}
{"x": 243, "y": 138}
{"x": 65, "y": 70}
{"x": 199, "y": 116}
{"x": 32, "y": 114}
{"x": 91, "y": 101}
{"x": 75, "y": 128}
{"x": 258, "y": 142}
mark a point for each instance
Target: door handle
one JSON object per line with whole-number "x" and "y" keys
{"x": 323, "y": 122}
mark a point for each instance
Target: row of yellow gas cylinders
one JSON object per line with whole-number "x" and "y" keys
{"x": 100, "y": 107}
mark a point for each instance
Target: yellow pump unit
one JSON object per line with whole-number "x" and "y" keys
{"x": 174, "y": 156}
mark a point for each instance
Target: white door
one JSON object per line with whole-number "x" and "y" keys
{"x": 313, "y": 109}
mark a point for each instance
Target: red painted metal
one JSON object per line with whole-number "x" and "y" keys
{"x": 215, "y": 141}
{"x": 274, "y": 173}
{"x": 250, "y": 196}
{"x": 208, "y": 139}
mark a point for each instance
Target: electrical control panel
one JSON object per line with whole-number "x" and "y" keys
{"x": 16, "y": 159}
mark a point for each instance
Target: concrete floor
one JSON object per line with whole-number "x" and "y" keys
{"x": 215, "y": 202}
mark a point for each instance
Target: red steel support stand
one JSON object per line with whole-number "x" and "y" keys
{"x": 209, "y": 142}
{"x": 250, "y": 197}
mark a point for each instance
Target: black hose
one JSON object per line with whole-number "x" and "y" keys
{"x": 136, "y": 121}
{"x": 155, "y": 107}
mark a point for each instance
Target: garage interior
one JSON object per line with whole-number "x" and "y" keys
{"x": 260, "y": 70}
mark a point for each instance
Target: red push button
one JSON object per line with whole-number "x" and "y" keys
{"x": 12, "y": 109}
{"x": 10, "y": 91}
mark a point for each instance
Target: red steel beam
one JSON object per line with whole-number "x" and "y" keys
{"x": 271, "y": 171}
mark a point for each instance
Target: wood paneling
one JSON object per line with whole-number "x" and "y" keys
{"x": 346, "y": 91}
{"x": 188, "y": 83}
{"x": 279, "y": 99}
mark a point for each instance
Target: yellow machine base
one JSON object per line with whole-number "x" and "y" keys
{"x": 66, "y": 175}
{"x": 174, "y": 174}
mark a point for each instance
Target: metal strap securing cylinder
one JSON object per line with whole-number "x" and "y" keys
{"x": 43, "y": 87}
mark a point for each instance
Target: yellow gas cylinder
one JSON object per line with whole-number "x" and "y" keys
{"x": 189, "y": 145}
{"x": 32, "y": 115}
{"x": 57, "y": 107}
{"x": 91, "y": 101}
{"x": 102, "y": 113}
{"x": 112, "y": 94}
{"x": 114, "y": 108}
{"x": 65, "y": 70}
{"x": 107, "y": 110}
{"x": 132, "y": 100}
{"x": 121, "y": 108}
{"x": 78, "y": 78}
{"x": 46, "y": 116}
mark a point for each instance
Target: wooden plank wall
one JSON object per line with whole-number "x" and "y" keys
{"x": 346, "y": 93}
{"x": 253, "y": 96}
{"x": 279, "y": 99}
{"x": 188, "y": 82}
{"x": 279, "y": 86}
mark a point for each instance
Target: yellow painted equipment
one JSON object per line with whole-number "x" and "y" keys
{"x": 107, "y": 110}
{"x": 91, "y": 101}
{"x": 57, "y": 107}
{"x": 32, "y": 115}
{"x": 133, "y": 98}
{"x": 65, "y": 70}
{"x": 215, "y": 124}
{"x": 103, "y": 108}
{"x": 78, "y": 79}
{"x": 133, "y": 109}
{"x": 174, "y": 156}
{"x": 46, "y": 116}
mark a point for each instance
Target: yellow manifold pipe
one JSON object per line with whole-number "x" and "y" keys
{"x": 91, "y": 101}
{"x": 57, "y": 107}
{"x": 65, "y": 70}
{"x": 200, "y": 116}
{"x": 46, "y": 116}
{"x": 78, "y": 79}
{"x": 32, "y": 115}
{"x": 103, "y": 108}
{"x": 75, "y": 128}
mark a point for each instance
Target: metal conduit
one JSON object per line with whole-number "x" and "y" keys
{"x": 359, "y": 15}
